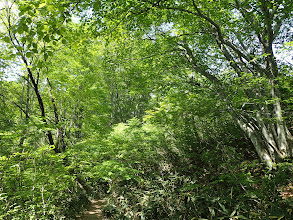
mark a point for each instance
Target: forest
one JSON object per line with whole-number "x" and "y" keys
{"x": 165, "y": 109}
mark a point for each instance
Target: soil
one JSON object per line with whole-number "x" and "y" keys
{"x": 94, "y": 211}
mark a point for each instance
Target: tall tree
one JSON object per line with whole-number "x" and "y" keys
{"x": 32, "y": 31}
{"x": 235, "y": 36}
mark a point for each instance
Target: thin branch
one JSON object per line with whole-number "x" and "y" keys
{"x": 180, "y": 9}
{"x": 192, "y": 60}
{"x": 146, "y": 9}
{"x": 17, "y": 105}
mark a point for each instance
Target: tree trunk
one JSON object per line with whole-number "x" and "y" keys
{"x": 21, "y": 141}
{"x": 262, "y": 152}
{"x": 60, "y": 143}
{"x": 271, "y": 138}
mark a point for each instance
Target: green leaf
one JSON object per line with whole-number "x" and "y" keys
{"x": 23, "y": 39}
{"x": 42, "y": 5}
{"x": 47, "y": 38}
{"x": 223, "y": 207}
{"x": 20, "y": 30}
{"x": 40, "y": 65}
{"x": 41, "y": 34}
{"x": 241, "y": 217}
{"x": 6, "y": 39}
{"x": 50, "y": 53}
{"x": 212, "y": 211}
{"x": 25, "y": 27}
{"x": 19, "y": 48}
{"x": 28, "y": 54}
{"x": 12, "y": 56}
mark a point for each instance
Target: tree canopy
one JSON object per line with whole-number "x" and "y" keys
{"x": 169, "y": 109}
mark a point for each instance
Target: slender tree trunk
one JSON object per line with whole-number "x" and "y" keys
{"x": 78, "y": 120}
{"x": 26, "y": 111}
{"x": 41, "y": 105}
{"x": 112, "y": 108}
{"x": 60, "y": 143}
{"x": 270, "y": 136}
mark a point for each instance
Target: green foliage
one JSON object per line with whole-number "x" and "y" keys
{"x": 36, "y": 184}
{"x": 215, "y": 185}
{"x": 120, "y": 157}
{"x": 144, "y": 96}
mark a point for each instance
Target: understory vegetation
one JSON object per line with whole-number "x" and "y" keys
{"x": 166, "y": 109}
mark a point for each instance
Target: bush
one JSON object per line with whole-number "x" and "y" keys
{"x": 35, "y": 184}
{"x": 151, "y": 178}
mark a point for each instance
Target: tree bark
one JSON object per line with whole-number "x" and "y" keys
{"x": 250, "y": 131}
{"x": 265, "y": 125}
{"x": 60, "y": 142}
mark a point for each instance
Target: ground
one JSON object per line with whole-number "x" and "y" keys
{"x": 94, "y": 211}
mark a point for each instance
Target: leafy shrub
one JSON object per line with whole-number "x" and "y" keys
{"x": 35, "y": 184}
{"x": 146, "y": 182}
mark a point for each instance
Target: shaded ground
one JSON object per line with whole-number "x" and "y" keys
{"x": 94, "y": 211}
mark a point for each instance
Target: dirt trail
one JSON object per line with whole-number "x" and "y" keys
{"x": 94, "y": 211}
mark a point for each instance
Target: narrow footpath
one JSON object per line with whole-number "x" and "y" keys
{"x": 94, "y": 211}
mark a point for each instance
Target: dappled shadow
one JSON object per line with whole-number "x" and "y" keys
{"x": 94, "y": 211}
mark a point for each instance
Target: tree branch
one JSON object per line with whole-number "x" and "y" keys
{"x": 17, "y": 105}
{"x": 209, "y": 76}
